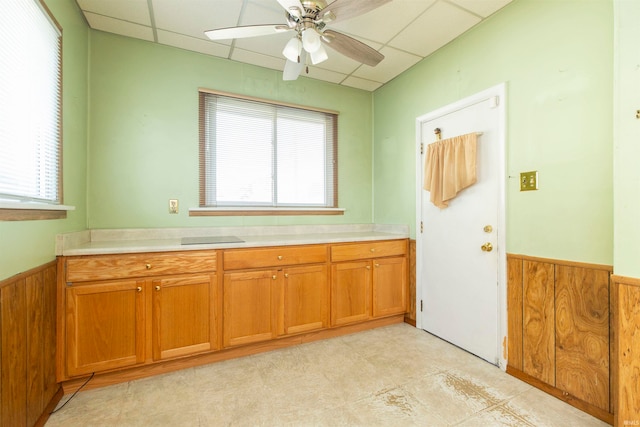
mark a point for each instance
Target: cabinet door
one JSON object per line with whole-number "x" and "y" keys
{"x": 105, "y": 326}
{"x": 350, "y": 292}
{"x": 250, "y": 301}
{"x": 305, "y": 299}
{"x": 183, "y": 315}
{"x": 389, "y": 286}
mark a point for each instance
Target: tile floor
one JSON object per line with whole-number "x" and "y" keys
{"x": 392, "y": 376}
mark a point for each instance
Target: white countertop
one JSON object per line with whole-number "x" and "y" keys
{"x": 116, "y": 241}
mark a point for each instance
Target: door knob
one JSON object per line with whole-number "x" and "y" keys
{"x": 487, "y": 247}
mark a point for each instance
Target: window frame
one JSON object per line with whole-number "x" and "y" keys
{"x": 255, "y": 210}
{"x": 22, "y": 210}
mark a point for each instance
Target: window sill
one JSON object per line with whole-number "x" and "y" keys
{"x": 238, "y": 211}
{"x": 27, "y": 211}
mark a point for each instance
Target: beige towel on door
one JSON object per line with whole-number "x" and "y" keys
{"x": 450, "y": 166}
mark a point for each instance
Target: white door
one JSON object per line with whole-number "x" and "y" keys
{"x": 460, "y": 246}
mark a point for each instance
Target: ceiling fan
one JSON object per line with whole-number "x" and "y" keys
{"x": 308, "y": 20}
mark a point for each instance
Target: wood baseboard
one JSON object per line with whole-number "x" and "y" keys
{"x": 116, "y": 377}
{"x": 49, "y": 408}
{"x": 565, "y": 397}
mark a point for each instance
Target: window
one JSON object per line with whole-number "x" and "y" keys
{"x": 30, "y": 104}
{"x": 256, "y": 154}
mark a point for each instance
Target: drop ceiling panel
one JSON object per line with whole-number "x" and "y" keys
{"x": 194, "y": 17}
{"x": 250, "y": 57}
{"x": 433, "y": 29}
{"x": 117, "y": 26}
{"x": 394, "y": 63}
{"x": 136, "y": 11}
{"x": 363, "y": 84}
{"x": 385, "y": 22}
{"x": 483, "y": 8}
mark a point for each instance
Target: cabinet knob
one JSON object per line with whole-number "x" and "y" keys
{"x": 274, "y": 277}
{"x": 280, "y": 257}
{"x": 139, "y": 289}
{"x": 377, "y": 265}
{"x": 368, "y": 267}
{"x": 158, "y": 288}
{"x": 373, "y": 249}
{"x": 148, "y": 266}
{"x": 286, "y": 274}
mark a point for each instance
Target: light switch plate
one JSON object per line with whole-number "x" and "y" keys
{"x": 528, "y": 181}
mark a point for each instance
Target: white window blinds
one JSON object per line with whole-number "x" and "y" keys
{"x": 257, "y": 154}
{"x": 30, "y": 103}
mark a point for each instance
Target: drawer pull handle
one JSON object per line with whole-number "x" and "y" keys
{"x": 139, "y": 289}
{"x": 148, "y": 266}
{"x": 280, "y": 257}
{"x": 157, "y": 288}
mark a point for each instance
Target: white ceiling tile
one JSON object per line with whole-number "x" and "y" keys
{"x": 383, "y": 23}
{"x": 394, "y": 63}
{"x": 483, "y": 8}
{"x": 193, "y": 44}
{"x": 363, "y": 84}
{"x": 194, "y": 17}
{"x": 136, "y": 11}
{"x": 117, "y": 26}
{"x": 258, "y": 59}
{"x": 433, "y": 29}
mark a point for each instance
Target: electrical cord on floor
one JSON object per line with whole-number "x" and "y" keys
{"x": 74, "y": 394}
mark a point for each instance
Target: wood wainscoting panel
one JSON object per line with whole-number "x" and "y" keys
{"x": 627, "y": 312}
{"x": 28, "y": 388}
{"x": 514, "y": 312}
{"x": 582, "y": 333}
{"x": 538, "y": 337}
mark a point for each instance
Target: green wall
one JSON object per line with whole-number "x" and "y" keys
{"x": 556, "y": 59}
{"x": 143, "y": 144}
{"x": 28, "y": 244}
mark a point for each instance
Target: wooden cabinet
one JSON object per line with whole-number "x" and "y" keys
{"x": 113, "y": 321}
{"x": 183, "y": 315}
{"x": 261, "y": 304}
{"x": 105, "y": 326}
{"x": 250, "y": 303}
{"x": 125, "y": 313}
{"x": 368, "y": 280}
{"x": 559, "y": 330}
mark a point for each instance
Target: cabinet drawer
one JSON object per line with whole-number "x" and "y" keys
{"x": 103, "y": 267}
{"x": 274, "y": 257}
{"x": 367, "y": 250}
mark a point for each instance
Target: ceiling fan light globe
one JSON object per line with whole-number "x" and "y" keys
{"x": 311, "y": 40}
{"x": 319, "y": 55}
{"x": 292, "y": 49}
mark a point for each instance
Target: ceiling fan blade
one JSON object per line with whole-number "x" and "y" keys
{"x": 345, "y": 9}
{"x": 352, "y": 48}
{"x": 288, "y": 5}
{"x": 245, "y": 31}
{"x": 293, "y": 69}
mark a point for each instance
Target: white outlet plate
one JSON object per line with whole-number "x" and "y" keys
{"x": 173, "y": 206}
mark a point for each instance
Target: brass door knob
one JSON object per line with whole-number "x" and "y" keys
{"x": 487, "y": 247}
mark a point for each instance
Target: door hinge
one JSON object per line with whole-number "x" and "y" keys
{"x": 421, "y": 305}
{"x": 421, "y": 226}
{"x": 422, "y": 148}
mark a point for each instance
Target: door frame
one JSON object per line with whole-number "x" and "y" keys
{"x": 498, "y": 91}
